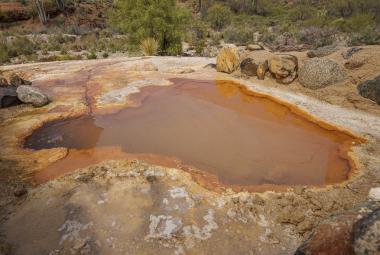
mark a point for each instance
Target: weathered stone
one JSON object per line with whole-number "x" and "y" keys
{"x": 370, "y": 89}
{"x": 228, "y": 59}
{"x": 254, "y": 47}
{"x": 322, "y": 51}
{"x": 248, "y": 67}
{"x": 8, "y": 97}
{"x": 262, "y": 69}
{"x": 367, "y": 234}
{"x": 3, "y": 82}
{"x": 32, "y": 95}
{"x": 374, "y": 194}
{"x": 354, "y": 63}
{"x": 283, "y": 68}
{"x": 335, "y": 235}
{"x": 318, "y": 73}
{"x": 351, "y": 51}
{"x": 16, "y": 80}
{"x": 20, "y": 191}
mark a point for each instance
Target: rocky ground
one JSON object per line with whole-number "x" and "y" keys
{"x": 128, "y": 206}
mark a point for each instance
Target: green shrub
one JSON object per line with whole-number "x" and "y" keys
{"x": 149, "y": 47}
{"x": 141, "y": 19}
{"x": 368, "y": 36}
{"x": 219, "y": 16}
{"x": 91, "y": 55}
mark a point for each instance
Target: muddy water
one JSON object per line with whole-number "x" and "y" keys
{"x": 215, "y": 127}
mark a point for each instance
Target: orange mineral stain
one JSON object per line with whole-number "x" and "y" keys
{"x": 220, "y": 132}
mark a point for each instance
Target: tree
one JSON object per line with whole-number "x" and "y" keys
{"x": 41, "y": 11}
{"x": 162, "y": 20}
{"x": 219, "y": 16}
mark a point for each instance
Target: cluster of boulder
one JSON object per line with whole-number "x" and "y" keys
{"x": 315, "y": 73}
{"x": 284, "y": 68}
{"x": 18, "y": 91}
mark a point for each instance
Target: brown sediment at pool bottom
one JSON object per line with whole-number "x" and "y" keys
{"x": 222, "y": 133}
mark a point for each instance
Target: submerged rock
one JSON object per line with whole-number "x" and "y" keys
{"x": 284, "y": 68}
{"x": 248, "y": 67}
{"x": 228, "y": 59}
{"x": 318, "y": 73}
{"x": 32, "y": 95}
{"x": 370, "y": 89}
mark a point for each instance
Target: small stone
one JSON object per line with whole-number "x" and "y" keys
{"x": 20, "y": 191}
{"x": 351, "y": 51}
{"x": 367, "y": 234}
{"x": 262, "y": 70}
{"x": 151, "y": 178}
{"x": 322, "y": 51}
{"x": 374, "y": 194}
{"x": 3, "y": 82}
{"x": 254, "y": 47}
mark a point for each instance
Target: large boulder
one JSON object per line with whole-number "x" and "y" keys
{"x": 367, "y": 234}
{"x": 248, "y": 67}
{"x": 228, "y": 59}
{"x": 16, "y": 80}
{"x": 370, "y": 89}
{"x": 322, "y": 51}
{"x": 318, "y": 73}
{"x": 284, "y": 68}
{"x": 344, "y": 233}
{"x": 8, "y": 97}
{"x": 32, "y": 95}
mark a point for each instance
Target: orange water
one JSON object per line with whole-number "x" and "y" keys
{"x": 212, "y": 126}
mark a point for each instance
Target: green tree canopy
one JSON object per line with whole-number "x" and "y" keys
{"x": 159, "y": 19}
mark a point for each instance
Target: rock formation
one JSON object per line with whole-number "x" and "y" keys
{"x": 32, "y": 95}
{"x": 370, "y": 89}
{"x": 318, "y": 73}
{"x": 283, "y": 68}
{"x": 228, "y": 59}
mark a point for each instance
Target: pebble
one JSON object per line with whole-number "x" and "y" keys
{"x": 374, "y": 194}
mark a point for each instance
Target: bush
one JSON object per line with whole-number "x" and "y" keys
{"x": 149, "y": 47}
{"x": 368, "y": 36}
{"x": 141, "y": 19}
{"x": 219, "y": 16}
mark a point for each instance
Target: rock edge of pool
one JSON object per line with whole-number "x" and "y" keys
{"x": 119, "y": 206}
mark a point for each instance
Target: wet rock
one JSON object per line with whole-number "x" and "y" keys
{"x": 370, "y": 89}
{"x": 228, "y": 59}
{"x": 351, "y": 51}
{"x": 248, "y": 67}
{"x": 32, "y": 95}
{"x": 318, "y": 73}
{"x": 16, "y": 80}
{"x": 322, "y": 51}
{"x": 254, "y": 47}
{"x": 284, "y": 68}
{"x": 262, "y": 70}
{"x": 3, "y": 82}
{"x": 20, "y": 191}
{"x": 374, "y": 194}
{"x": 8, "y": 97}
{"x": 367, "y": 234}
